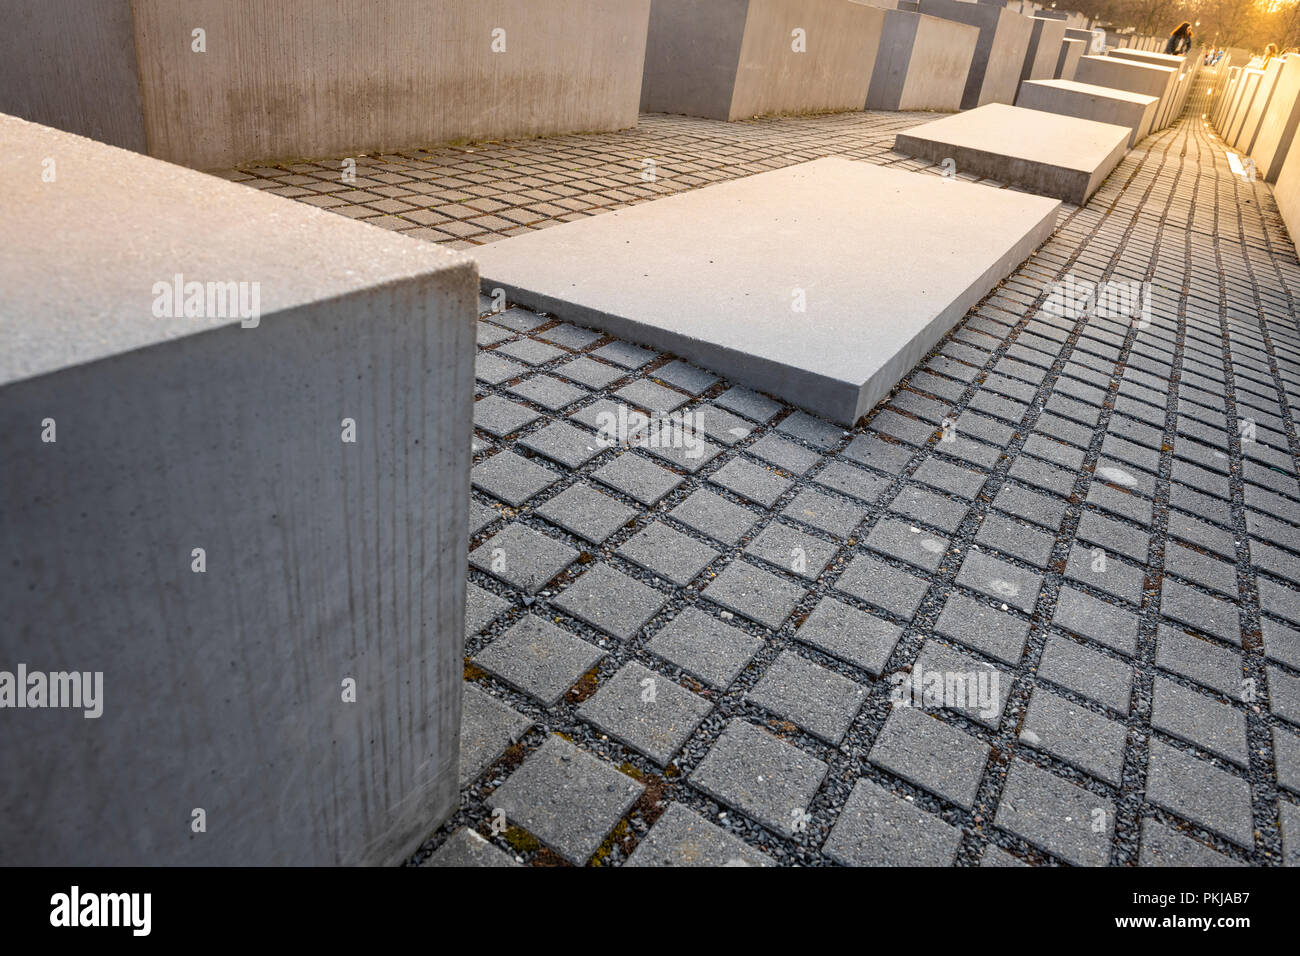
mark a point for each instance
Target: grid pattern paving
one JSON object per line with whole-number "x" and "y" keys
{"x": 1096, "y": 520}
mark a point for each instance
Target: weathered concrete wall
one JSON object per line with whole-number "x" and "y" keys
{"x": 1068, "y": 62}
{"x": 1000, "y": 53}
{"x": 1044, "y": 49}
{"x": 301, "y": 78}
{"x": 71, "y": 64}
{"x": 922, "y": 63}
{"x": 324, "y": 560}
{"x": 741, "y": 58}
{"x": 1277, "y": 129}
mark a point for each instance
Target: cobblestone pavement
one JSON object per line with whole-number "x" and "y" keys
{"x": 676, "y": 660}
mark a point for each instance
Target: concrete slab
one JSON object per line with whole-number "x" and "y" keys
{"x": 999, "y": 54}
{"x": 1250, "y": 84}
{"x": 1278, "y": 126}
{"x": 736, "y": 59}
{"x": 1044, "y": 49}
{"x": 1103, "y": 104}
{"x": 1144, "y": 78}
{"x": 1167, "y": 110}
{"x": 219, "y": 451}
{"x": 1254, "y": 115}
{"x": 1068, "y": 60}
{"x": 922, "y": 63}
{"x": 1058, "y": 156}
{"x": 1286, "y": 193}
{"x": 1224, "y": 90}
{"x": 822, "y": 283}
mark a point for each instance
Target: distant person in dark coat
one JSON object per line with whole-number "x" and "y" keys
{"x": 1180, "y": 41}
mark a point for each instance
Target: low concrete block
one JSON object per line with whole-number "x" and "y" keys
{"x": 1168, "y": 107}
{"x": 1224, "y": 90}
{"x": 1254, "y": 115}
{"x": 1067, "y": 63}
{"x": 1278, "y": 126}
{"x": 923, "y": 63}
{"x": 1044, "y": 51}
{"x": 1250, "y": 84}
{"x": 1058, "y": 156}
{"x": 183, "y": 362}
{"x": 999, "y": 54}
{"x": 1101, "y": 103}
{"x": 822, "y": 283}
{"x": 737, "y": 59}
{"x": 1120, "y": 74}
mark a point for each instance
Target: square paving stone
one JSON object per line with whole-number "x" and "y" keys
{"x": 928, "y": 507}
{"x": 854, "y": 636}
{"x": 499, "y": 417}
{"x": 1021, "y": 541}
{"x": 1289, "y": 817}
{"x": 1284, "y": 694}
{"x": 1286, "y": 753}
{"x": 487, "y": 728}
{"x": 962, "y": 683}
{"x": 908, "y": 543}
{"x": 1076, "y": 735}
{"x": 521, "y": 320}
{"x": 480, "y": 516}
{"x": 1200, "y": 660}
{"x": 653, "y": 398}
{"x": 522, "y": 557}
{"x": 489, "y": 334}
{"x": 465, "y": 848}
{"x": 788, "y": 455}
{"x": 715, "y": 516}
{"x": 751, "y": 481}
{"x": 818, "y": 700}
{"x": 645, "y": 711}
{"x": 1104, "y": 623}
{"x": 760, "y": 775}
{"x": 586, "y": 512}
{"x": 820, "y": 434}
{"x": 1105, "y": 572}
{"x": 992, "y": 632}
{"x": 1041, "y": 509}
{"x": 625, "y": 354}
{"x": 883, "y": 585}
{"x": 932, "y": 755}
{"x": 481, "y": 607}
{"x": 1188, "y": 715}
{"x": 754, "y": 593}
{"x": 560, "y": 441}
{"x": 681, "y": 837}
{"x": 511, "y": 478}
{"x": 1086, "y": 672}
{"x": 832, "y": 515}
{"x": 670, "y": 554}
{"x": 995, "y": 856}
{"x": 1001, "y": 580}
{"x": 566, "y": 798}
{"x": 637, "y": 478}
{"x": 852, "y": 481}
{"x": 1211, "y": 615}
{"x": 1200, "y": 792}
{"x": 876, "y": 828}
{"x": 494, "y": 369}
{"x": 957, "y": 481}
{"x": 722, "y": 426}
{"x": 531, "y": 351}
{"x": 539, "y": 658}
{"x": 611, "y": 601}
{"x": 1162, "y": 846}
{"x": 588, "y": 372}
{"x": 570, "y": 336}
{"x": 685, "y": 376}
{"x": 702, "y": 645}
{"x": 683, "y": 448}
{"x": 872, "y": 450}
{"x": 1059, "y": 817}
{"x": 747, "y": 402}
{"x": 1281, "y": 643}
{"x": 548, "y": 392}
{"x": 792, "y": 550}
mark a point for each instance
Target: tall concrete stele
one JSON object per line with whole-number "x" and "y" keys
{"x": 236, "y": 439}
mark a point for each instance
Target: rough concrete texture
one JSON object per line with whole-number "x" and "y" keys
{"x": 1278, "y": 125}
{"x": 742, "y": 58}
{"x": 1250, "y": 89}
{"x": 789, "y": 281}
{"x": 1286, "y": 192}
{"x": 322, "y": 560}
{"x": 1068, "y": 61}
{"x": 1224, "y": 89}
{"x": 999, "y": 54}
{"x": 1044, "y": 50}
{"x": 1101, "y": 103}
{"x": 1145, "y": 78}
{"x": 71, "y": 65}
{"x": 1254, "y": 117}
{"x": 1059, "y": 156}
{"x": 298, "y": 78}
{"x": 1179, "y": 63}
{"x": 922, "y": 63}
{"x": 1239, "y": 95}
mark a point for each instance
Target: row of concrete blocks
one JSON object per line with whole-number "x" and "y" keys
{"x": 1256, "y": 111}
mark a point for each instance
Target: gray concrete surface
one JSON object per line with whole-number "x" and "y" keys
{"x": 999, "y": 54}
{"x": 740, "y": 58}
{"x": 1086, "y": 101}
{"x": 1263, "y": 101}
{"x": 1251, "y": 82}
{"x": 1145, "y": 78}
{"x": 1044, "y": 50}
{"x": 1278, "y": 125}
{"x": 922, "y": 63}
{"x": 1052, "y": 155}
{"x": 322, "y": 560}
{"x": 1179, "y": 63}
{"x": 1068, "y": 62}
{"x": 764, "y": 279}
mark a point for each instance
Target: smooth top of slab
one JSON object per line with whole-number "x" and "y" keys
{"x": 1167, "y": 59}
{"x": 1092, "y": 89}
{"x": 1130, "y": 64}
{"x": 1066, "y": 142}
{"x": 878, "y": 254}
{"x": 79, "y": 256}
